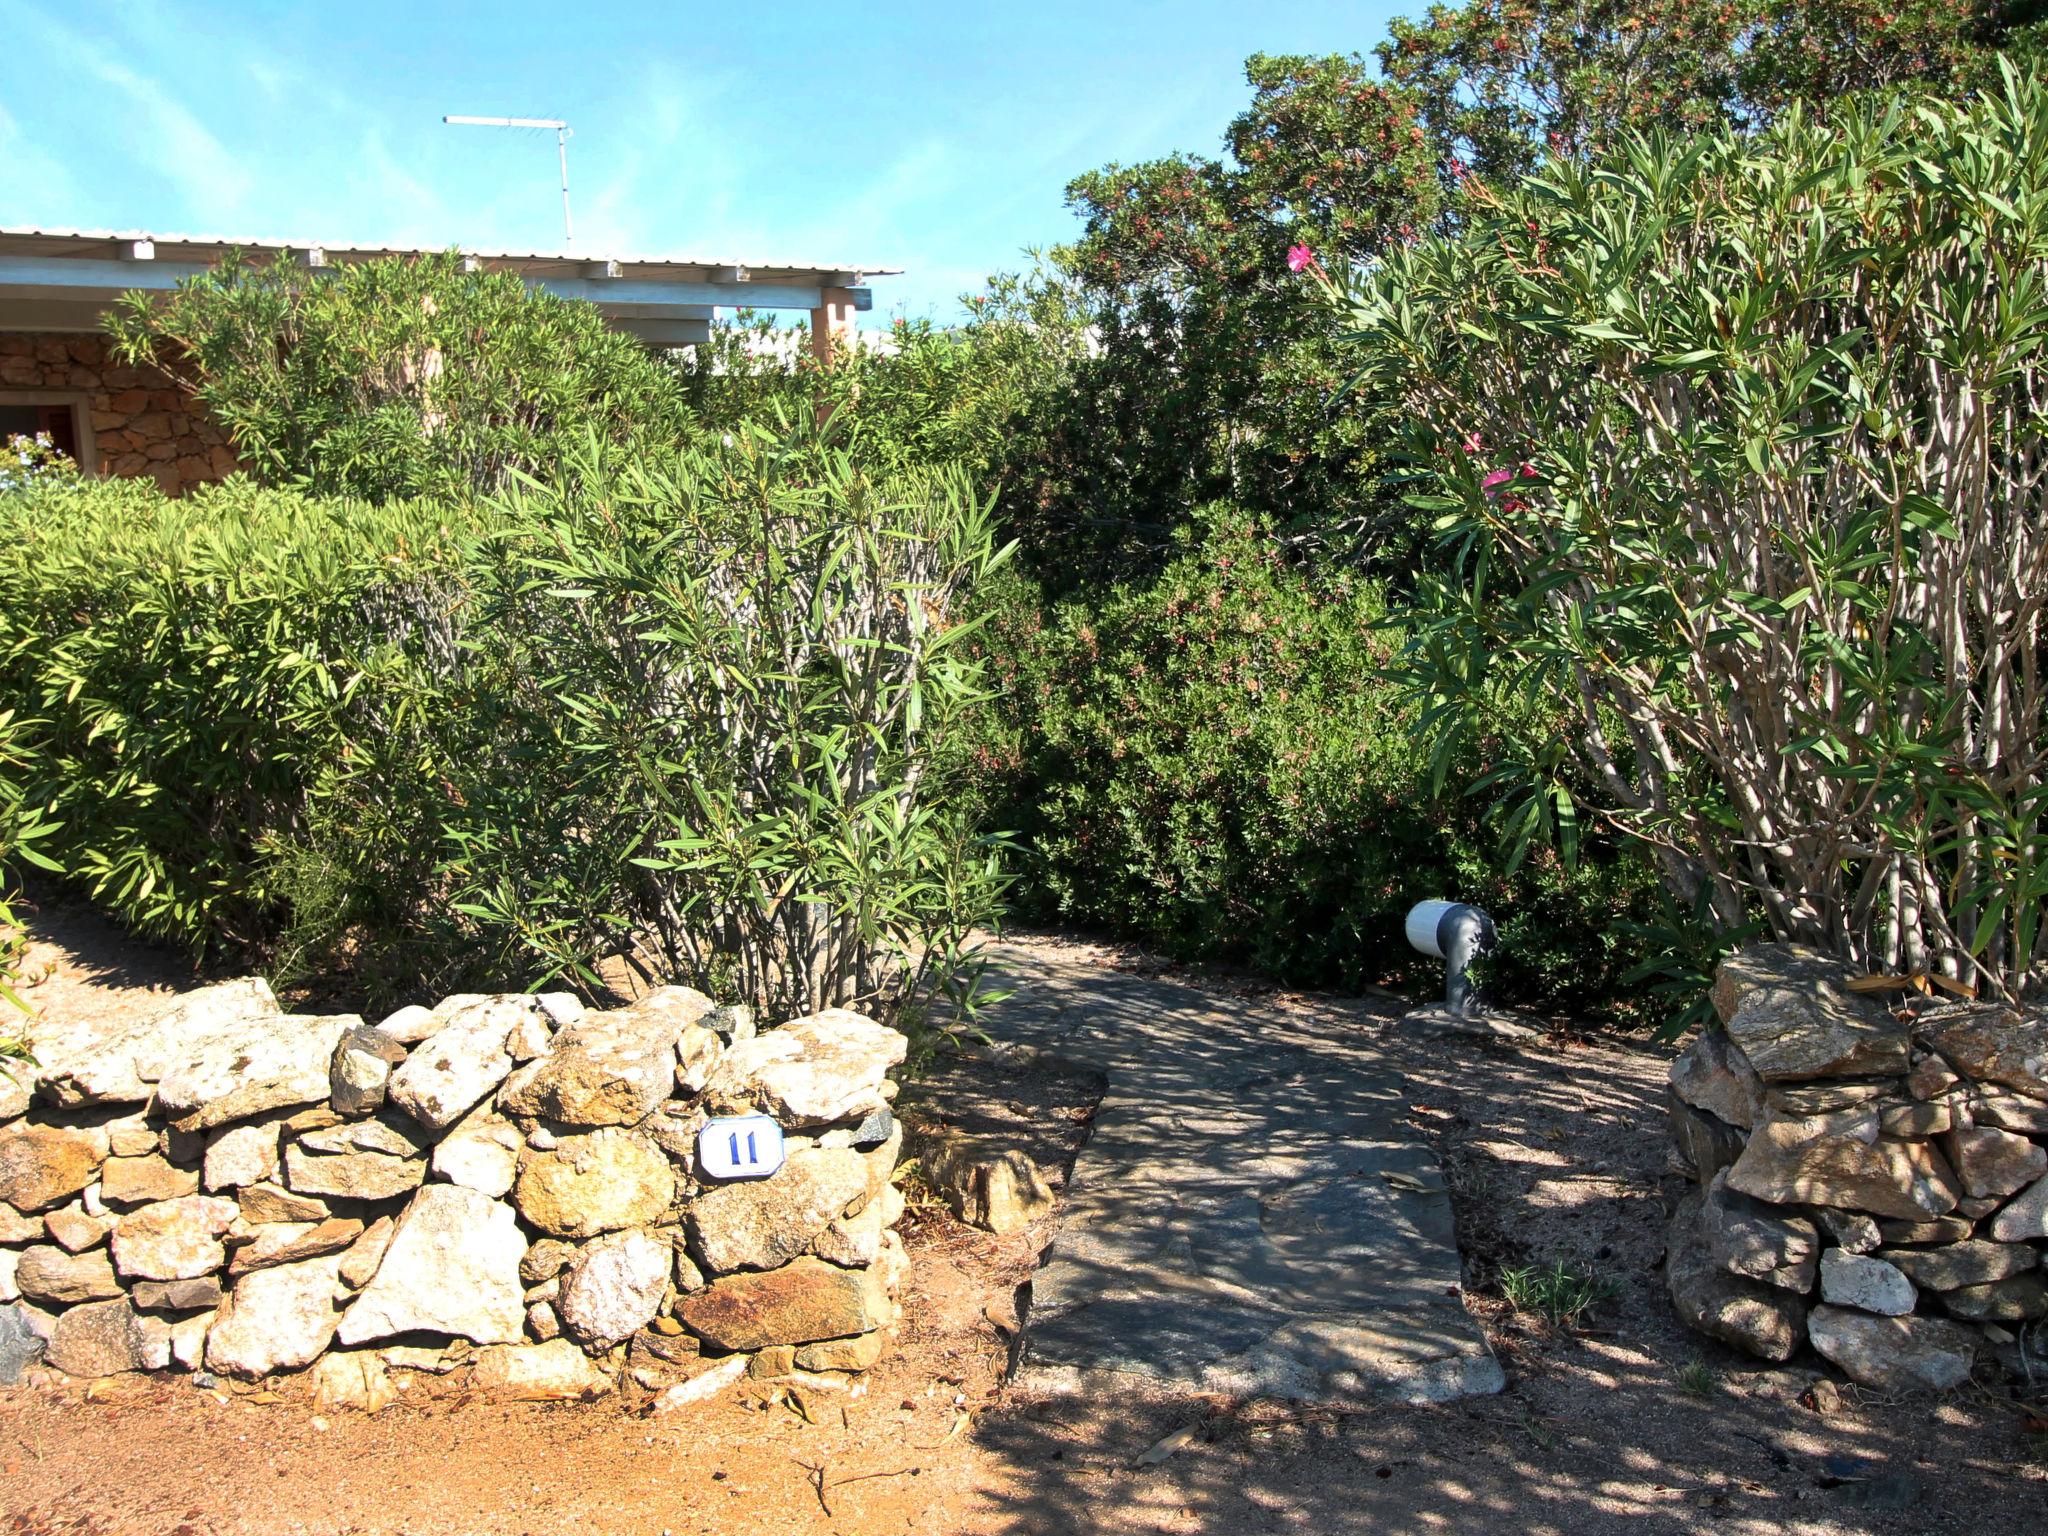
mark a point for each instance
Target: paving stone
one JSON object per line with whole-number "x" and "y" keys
{"x": 1249, "y": 1216}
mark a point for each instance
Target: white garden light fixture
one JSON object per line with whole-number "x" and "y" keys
{"x": 562, "y": 131}
{"x": 1457, "y": 934}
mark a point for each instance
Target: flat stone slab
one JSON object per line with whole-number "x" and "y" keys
{"x": 1248, "y": 1216}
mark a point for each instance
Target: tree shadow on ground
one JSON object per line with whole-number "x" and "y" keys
{"x": 1553, "y": 1150}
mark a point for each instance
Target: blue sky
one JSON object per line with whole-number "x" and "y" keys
{"x": 936, "y": 137}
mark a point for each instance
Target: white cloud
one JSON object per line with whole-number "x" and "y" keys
{"x": 161, "y": 132}
{"x": 38, "y": 188}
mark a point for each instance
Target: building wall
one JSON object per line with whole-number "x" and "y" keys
{"x": 132, "y": 421}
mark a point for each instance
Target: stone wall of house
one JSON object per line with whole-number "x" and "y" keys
{"x": 142, "y": 423}
{"x": 504, "y": 1186}
{"x": 1871, "y": 1170}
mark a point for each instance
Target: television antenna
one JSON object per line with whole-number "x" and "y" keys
{"x": 562, "y": 131}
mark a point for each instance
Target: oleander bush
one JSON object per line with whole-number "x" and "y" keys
{"x": 707, "y": 699}
{"x": 1733, "y": 450}
{"x": 190, "y": 676}
{"x": 398, "y": 377}
{"x": 682, "y": 706}
{"x": 1214, "y": 762}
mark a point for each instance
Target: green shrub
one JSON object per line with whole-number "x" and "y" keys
{"x": 398, "y": 377}
{"x": 190, "y": 676}
{"x": 1211, "y": 762}
{"x": 686, "y": 708}
{"x": 1732, "y": 446}
{"x": 23, "y": 825}
{"x": 705, "y": 695}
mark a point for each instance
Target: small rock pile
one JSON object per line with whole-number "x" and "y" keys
{"x": 1872, "y": 1176}
{"x": 504, "y": 1184}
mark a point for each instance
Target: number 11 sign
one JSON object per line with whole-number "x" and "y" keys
{"x": 739, "y": 1147}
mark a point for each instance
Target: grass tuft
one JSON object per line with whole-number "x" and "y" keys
{"x": 1561, "y": 1294}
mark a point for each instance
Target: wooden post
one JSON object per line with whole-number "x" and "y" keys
{"x": 831, "y": 322}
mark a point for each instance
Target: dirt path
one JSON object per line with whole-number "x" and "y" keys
{"x": 1554, "y": 1150}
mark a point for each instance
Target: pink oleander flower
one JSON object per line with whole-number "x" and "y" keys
{"x": 1472, "y": 442}
{"x": 1300, "y": 258}
{"x": 1526, "y": 471}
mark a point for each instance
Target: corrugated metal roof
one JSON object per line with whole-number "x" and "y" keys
{"x": 91, "y": 243}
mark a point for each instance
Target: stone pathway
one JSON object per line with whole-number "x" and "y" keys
{"x": 1248, "y": 1216}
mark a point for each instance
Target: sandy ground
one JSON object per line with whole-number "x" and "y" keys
{"x": 1553, "y": 1150}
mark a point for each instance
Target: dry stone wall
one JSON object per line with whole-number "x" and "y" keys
{"x": 138, "y": 422}
{"x": 504, "y": 1184}
{"x": 1870, "y": 1170}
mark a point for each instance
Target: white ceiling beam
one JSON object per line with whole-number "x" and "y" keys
{"x": 78, "y": 280}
